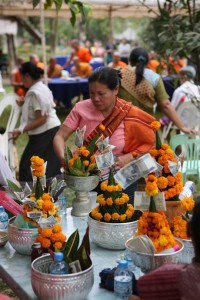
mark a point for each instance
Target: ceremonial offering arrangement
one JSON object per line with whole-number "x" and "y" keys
{"x": 114, "y": 220}
{"x": 82, "y": 174}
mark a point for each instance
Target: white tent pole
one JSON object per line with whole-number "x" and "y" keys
{"x": 42, "y": 29}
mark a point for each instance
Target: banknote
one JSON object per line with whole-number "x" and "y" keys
{"x": 142, "y": 201}
{"x": 104, "y": 160}
{"x": 79, "y": 136}
{"x": 136, "y": 169}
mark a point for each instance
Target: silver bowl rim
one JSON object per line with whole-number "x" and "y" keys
{"x": 156, "y": 254}
{"x": 11, "y": 220}
{"x": 111, "y": 224}
{"x": 53, "y": 275}
{"x": 74, "y": 176}
{"x": 3, "y": 235}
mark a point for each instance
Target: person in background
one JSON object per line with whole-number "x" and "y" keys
{"x": 175, "y": 64}
{"x": 39, "y": 121}
{"x": 16, "y": 80}
{"x": 98, "y": 50}
{"x": 144, "y": 88}
{"x": 34, "y": 58}
{"x": 187, "y": 91}
{"x": 81, "y": 69}
{"x": 83, "y": 53}
{"x": 127, "y": 127}
{"x": 153, "y": 63}
{"x": 175, "y": 281}
{"x": 117, "y": 62}
{"x": 110, "y": 48}
{"x": 124, "y": 50}
{"x": 54, "y": 69}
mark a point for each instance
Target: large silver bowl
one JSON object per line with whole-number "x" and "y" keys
{"x": 187, "y": 254}
{"x": 21, "y": 239}
{"x": 147, "y": 262}
{"x": 82, "y": 184}
{"x": 59, "y": 287}
{"x": 111, "y": 235}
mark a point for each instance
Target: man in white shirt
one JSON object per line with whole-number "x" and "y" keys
{"x": 124, "y": 50}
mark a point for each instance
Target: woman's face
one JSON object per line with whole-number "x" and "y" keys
{"x": 27, "y": 81}
{"x": 102, "y": 97}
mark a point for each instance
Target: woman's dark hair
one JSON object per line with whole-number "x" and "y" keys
{"x": 105, "y": 75}
{"x": 194, "y": 227}
{"x": 139, "y": 58}
{"x": 32, "y": 70}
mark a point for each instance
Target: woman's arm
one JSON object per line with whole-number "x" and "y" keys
{"x": 170, "y": 112}
{"x": 59, "y": 143}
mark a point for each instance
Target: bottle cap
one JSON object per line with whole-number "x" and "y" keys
{"x": 36, "y": 245}
{"x": 58, "y": 256}
{"x": 2, "y": 209}
{"x": 123, "y": 264}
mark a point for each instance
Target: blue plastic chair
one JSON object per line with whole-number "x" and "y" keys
{"x": 190, "y": 145}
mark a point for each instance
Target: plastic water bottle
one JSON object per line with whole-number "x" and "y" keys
{"x": 3, "y": 219}
{"x": 122, "y": 281}
{"x": 62, "y": 203}
{"x": 58, "y": 266}
{"x": 132, "y": 267}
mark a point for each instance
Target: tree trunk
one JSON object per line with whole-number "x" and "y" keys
{"x": 54, "y": 36}
{"x": 11, "y": 52}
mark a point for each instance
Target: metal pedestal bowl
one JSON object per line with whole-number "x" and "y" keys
{"x": 111, "y": 235}
{"x": 21, "y": 239}
{"x": 147, "y": 262}
{"x": 187, "y": 254}
{"x": 81, "y": 205}
{"x": 59, "y": 287}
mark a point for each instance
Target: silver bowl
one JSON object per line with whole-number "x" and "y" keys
{"x": 21, "y": 239}
{"x": 147, "y": 262}
{"x": 3, "y": 238}
{"x": 111, "y": 235}
{"x": 59, "y": 287}
{"x": 82, "y": 184}
{"x": 187, "y": 254}
{"x": 81, "y": 205}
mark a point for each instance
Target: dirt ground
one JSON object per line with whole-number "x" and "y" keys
{"x": 4, "y": 289}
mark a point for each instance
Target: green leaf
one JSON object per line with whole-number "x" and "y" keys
{"x": 111, "y": 179}
{"x": 158, "y": 141}
{"x": 71, "y": 246}
{"x": 152, "y": 206}
{"x": 73, "y": 17}
{"x": 58, "y": 4}
{"x": 68, "y": 154}
{"x": 92, "y": 144}
{"x": 38, "y": 189}
{"x": 83, "y": 253}
{"x": 13, "y": 186}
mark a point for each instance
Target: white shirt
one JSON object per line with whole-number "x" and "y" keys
{"x": 124, "y": 50}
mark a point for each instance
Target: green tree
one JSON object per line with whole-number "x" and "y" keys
{"x": 176, "y": 29}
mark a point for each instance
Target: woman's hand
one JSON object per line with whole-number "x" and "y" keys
{"x": 123, "y": 160}
{"x": 189, "y": 130}
{"x": 14, "y": 135}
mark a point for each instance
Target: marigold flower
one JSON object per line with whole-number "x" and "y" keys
{"x": 46, "y": 196}
{"x": 37, "y": 160}
{"x": 47, "y": 205}
{"x": 134, "y": 154}
{"x": 46, "y": 232}
{"x": 107, "y": 217}
{"x": 187, "y": 203}
{"x": 55, "y": 237}
{"x": 57, "y": 228}
{"x": 85, "y": 153}
{"x": 122, "y": 217}
{"x": 38, "y": 239}
{"x": 86, "y": 163}
{"x": 102, "y": 127}
{"x": 70, "y": 162}
{"x": 109, "y": 201}
{"x": 57, "y": 245}
{"x": 37, "y": 173}
{"x": 162, "y": 182}
{"x": 98, "y": 216}
{"x": 45, "y": 243}
{"x": 155, "y": 125}
{"x": 115, "y": 216}
{"x": 39, "y": 230}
